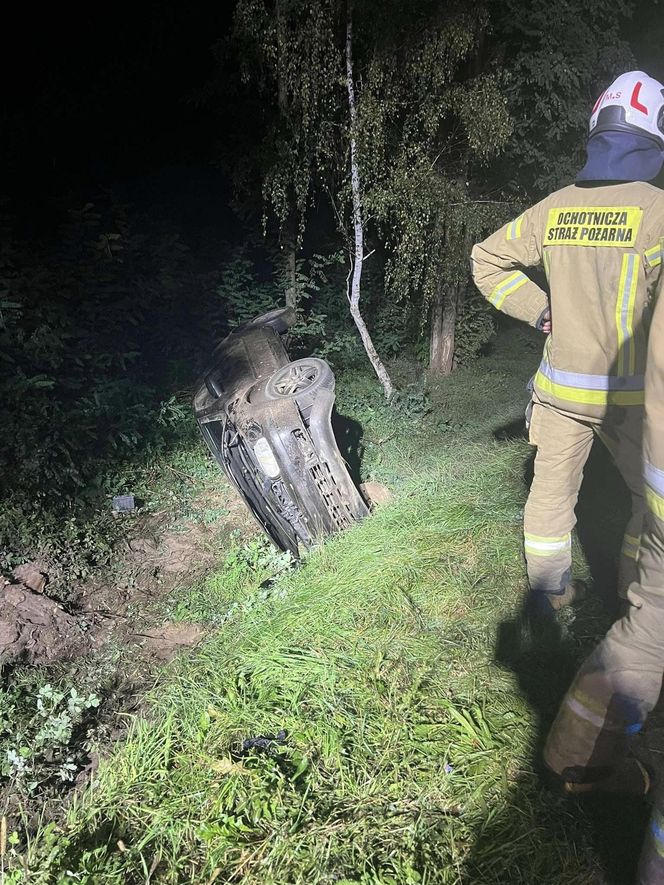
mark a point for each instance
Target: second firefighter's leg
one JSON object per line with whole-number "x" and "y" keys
{"x": 622, "y": 435}
{"x": 619, "y": 683}
{"x": 651, "y": 863}
{"x": 563, "y": 445}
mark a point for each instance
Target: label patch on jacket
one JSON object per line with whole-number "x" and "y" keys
{"x": 593, "y": 226}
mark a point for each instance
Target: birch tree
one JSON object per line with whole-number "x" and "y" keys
{"x": 358, "y": 224}
{"x": 385, "y": 108}
{"x": 299, "y": 55}
{"x": 432, "y": 115}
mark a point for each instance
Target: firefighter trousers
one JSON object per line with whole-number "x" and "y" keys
{"x": 651, "y": 864}
{"x": 613, "y": 692}
{"x": 563, "y": 446}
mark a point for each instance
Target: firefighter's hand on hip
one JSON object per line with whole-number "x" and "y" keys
{"x": 544, "y": 324}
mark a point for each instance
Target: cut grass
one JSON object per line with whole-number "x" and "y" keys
{"x": 408, "y": 755}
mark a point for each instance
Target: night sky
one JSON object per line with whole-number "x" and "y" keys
{"x": 105, "y": 97}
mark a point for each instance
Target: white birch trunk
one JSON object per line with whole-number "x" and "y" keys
{"x": 354, "y": 293}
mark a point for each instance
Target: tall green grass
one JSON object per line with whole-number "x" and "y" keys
{"x": 408, "y": 755}
{"x": 404, "y": 739}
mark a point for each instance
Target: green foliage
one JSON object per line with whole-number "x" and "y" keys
{"x": 90, "y": 338}
{"x": 323, "y": 327}
{"x": 475, "y": 328}
{"x": 242, "y": 294}
{"x": 405, "y": 743}
{"x": 426, "y": 111}
{"x": 555, "y": 67}
{"x": 289, "y": 52}
{"x": 394, "y": 326}
{"x": 245, "y": 580}
{"x": 424, "y": 117}
{"x": 43, "y": 731}
{"x": 408, "y": 753}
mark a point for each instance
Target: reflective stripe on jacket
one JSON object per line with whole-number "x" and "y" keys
{"x": 653, "y": 428}
{"x": 601, "y": 250}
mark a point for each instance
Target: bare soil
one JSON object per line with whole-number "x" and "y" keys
{"x": 123, "y": 605}
{"x": 36, "y": 630}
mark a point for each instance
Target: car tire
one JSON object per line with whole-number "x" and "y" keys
{"x": 300, "y": 381}
{"x": 280, "y": 319}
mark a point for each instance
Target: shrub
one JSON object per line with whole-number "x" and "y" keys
{"x": 90, "y": 333}
{"x": 476, "y": 327}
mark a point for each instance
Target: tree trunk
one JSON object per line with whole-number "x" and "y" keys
{"x": 289, "y": 245}
{"x": 443, "y": 327}
{"x": 358, "y": 258}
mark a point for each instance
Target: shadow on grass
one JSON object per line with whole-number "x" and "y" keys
{"x": 348, "y": 434}
{"x": 604, "y": 831}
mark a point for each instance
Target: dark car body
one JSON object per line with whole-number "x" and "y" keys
{"x": 267, "y": 421}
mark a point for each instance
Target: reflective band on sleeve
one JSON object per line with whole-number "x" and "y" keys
{"x": 625, "y": 314}
{"x": 654, "y": 256}
{"x": 507, "y": 287}
{"x": 630, "y": 546}
{"x": 601, "y": 390}
{"x": 538, "y": 545}
{"x": 514, "y": 229}
{"x": 546, "y": 258}
{"x": 654, "y": 478}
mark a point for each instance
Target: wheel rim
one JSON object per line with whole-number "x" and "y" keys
{"x": 296, "y": 379}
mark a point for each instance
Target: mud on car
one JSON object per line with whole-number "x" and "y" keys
{"x": 268, "y": 422}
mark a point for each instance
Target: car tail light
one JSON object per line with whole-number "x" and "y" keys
{"x": 265, "y": 457}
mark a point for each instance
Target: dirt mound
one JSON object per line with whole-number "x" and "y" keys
{"x": 36, "y": 630}
{"x": 376, "y": 493}
{"x": 164, "y": 642}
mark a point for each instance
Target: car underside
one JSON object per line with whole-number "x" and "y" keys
{"x": 268, "y": 423}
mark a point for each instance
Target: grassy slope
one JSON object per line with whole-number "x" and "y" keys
{"x": 409, "y": 755}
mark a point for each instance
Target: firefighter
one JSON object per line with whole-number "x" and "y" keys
{"x": 598, "y": 243}
{"x": 588, "y": 745}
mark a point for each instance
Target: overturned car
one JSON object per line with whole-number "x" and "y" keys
{"x": 267, "y": 421}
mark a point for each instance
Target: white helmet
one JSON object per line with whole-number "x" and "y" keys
{"x": 632, "y": 103}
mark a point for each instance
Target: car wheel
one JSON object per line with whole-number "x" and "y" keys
{"x": 299, "y": 381}
{"x": 280, "y": 319}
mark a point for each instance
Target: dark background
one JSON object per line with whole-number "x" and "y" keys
{"x": 113, "y": 96}
{"x": 106, "y": 98}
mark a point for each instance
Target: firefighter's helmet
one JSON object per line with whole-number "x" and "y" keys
{"x": 632, "y": 103}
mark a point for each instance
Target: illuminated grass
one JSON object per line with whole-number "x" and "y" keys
{"x": 409, "y": 750}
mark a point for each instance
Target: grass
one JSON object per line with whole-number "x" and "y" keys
{"x": 410, "y": 743}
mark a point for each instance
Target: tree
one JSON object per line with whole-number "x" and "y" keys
{"x": 358, "y": 226}
{"x": 289, "y": 66}
{"x": 395, "y": 156}
{"x": 552, "y": 67}
{"x": 299, "y": 57}
{"x": 430, "y": 115}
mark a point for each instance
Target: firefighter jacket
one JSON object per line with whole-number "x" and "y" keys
{"x": 600, "y": 249}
